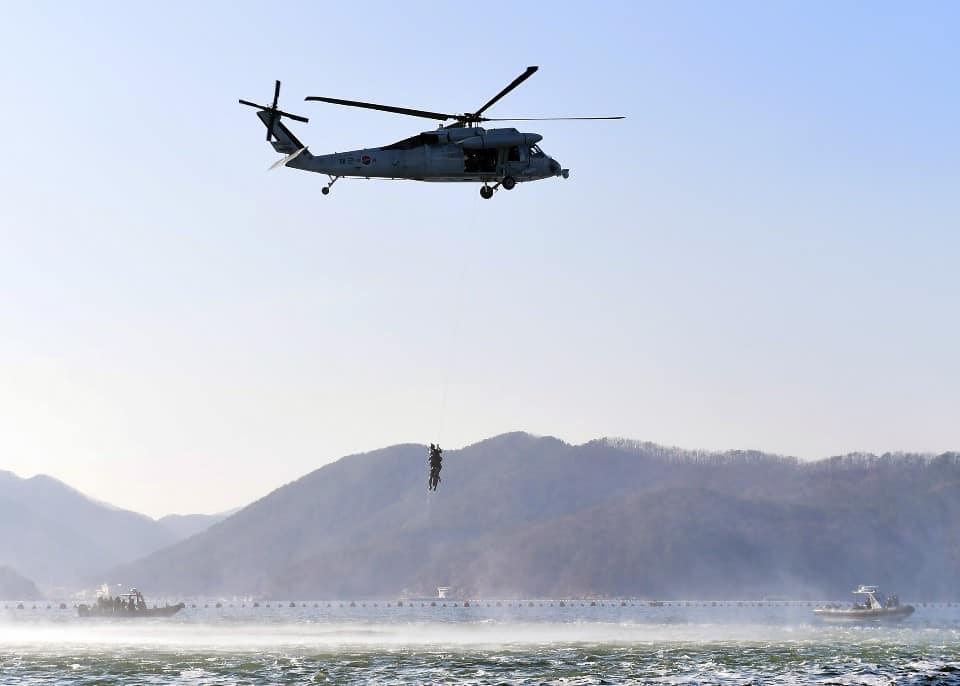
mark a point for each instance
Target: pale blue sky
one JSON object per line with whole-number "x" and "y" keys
{"x": 763, "y": 255}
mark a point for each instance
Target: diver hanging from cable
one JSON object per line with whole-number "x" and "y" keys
{"x": 436, "y": 464}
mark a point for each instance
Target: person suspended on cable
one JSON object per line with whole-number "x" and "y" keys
{"x": 436, "y": 464}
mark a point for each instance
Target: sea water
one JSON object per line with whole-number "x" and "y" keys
{"x": 489, "y": 642}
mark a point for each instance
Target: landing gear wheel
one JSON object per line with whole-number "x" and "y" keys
{"x": 486, "y": 192}
{"x": 326, "y": 189}
{"x": 508, "y": 182}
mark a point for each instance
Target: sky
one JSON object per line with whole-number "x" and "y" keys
{"x": 763, "y": 255}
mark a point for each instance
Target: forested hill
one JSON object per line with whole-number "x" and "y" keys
{"x": 522, "y": 515}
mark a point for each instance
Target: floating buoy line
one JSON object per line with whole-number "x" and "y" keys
{"x": 493, "y": 604}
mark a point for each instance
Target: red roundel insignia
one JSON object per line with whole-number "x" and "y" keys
{"x": 365, "y": 159}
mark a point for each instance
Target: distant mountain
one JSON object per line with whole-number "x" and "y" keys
{"x": 521, "y": 515}
{"x": 185, "y": 526}
{"x": 59, "y": 537}
{"x": 16, "y": 587}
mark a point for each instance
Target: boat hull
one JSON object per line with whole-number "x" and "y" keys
{"x": 863, "y": 616}
{"x": 165, "y": 611}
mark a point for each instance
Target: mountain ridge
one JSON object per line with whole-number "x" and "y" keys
{"x": 521, "y": 514}
{"x": 58, "y": 536}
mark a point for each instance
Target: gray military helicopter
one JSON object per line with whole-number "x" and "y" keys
{"x": 460, "y": 151}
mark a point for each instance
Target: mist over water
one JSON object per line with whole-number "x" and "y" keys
{"x": 478, "y": 645}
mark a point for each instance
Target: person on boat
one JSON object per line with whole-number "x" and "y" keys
{"x": 436, "y": 464}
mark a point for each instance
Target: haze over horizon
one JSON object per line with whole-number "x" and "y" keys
{"x": 762, "y": 255}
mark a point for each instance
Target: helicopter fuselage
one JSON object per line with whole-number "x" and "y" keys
{"x": 448, "y": 154}
{"x": 461, "y": 151}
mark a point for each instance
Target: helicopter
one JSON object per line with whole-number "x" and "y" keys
{"x": 456, "y": 152}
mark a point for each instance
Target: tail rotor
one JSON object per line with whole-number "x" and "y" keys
{"x": 275, "y": 113}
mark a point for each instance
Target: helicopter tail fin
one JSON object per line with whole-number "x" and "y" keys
{"x": 283, "y": 139}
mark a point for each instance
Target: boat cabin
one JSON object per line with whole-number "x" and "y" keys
{"x": 873, "y": 599}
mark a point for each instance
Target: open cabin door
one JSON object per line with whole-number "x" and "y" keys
{"x": 481, "y": 161}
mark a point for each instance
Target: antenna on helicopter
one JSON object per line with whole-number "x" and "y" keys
{"x": 466, "y": 119}
{"x": 274, "y": 112}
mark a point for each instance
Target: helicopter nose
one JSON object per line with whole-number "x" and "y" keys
{"x": 555, "y": 167}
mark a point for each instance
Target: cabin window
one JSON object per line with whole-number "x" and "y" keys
{"x": 480, "y": 160}
{"x": 535, "y": 151}
{"x": 513, "y": 155}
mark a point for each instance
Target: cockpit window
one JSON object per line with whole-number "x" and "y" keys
{"x": 535, "y": 151}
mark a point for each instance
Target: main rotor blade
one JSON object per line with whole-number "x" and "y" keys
{"x": 548, "y": 118}
{"x": 513, "y": 84}
{"x": 384, "y": 108}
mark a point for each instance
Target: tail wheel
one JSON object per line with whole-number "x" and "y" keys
{"x": 486, "y": 192}
{"x": 508, "y": 182}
